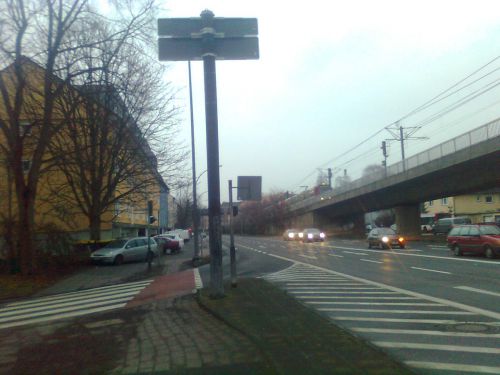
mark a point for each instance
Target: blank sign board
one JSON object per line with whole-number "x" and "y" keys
{"x": 249, "y": 188}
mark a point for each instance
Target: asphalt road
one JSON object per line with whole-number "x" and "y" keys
{"x": 436, "y": 312}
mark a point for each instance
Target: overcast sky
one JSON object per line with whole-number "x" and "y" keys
{"x": 333, "y": 73}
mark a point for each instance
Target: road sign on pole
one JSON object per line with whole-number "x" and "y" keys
{"x": 210, "y": 38}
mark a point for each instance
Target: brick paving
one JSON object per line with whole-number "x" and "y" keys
{"x": 163, "y": 334}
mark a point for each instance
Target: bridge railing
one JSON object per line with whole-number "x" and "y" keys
{"x": 475, "y": 136}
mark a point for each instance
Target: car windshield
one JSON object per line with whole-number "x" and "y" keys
{"x": 491, "y": 230}
{"x": 116, "y": 244}
{"x": 312, "y": 231}
{"x": 386, "y": 231}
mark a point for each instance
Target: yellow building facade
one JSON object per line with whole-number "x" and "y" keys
{"x": 481, "y": 207}
{"x": 127, "y": 217}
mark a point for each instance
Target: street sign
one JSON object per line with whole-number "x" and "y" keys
{"x": 182, "y": 39}
{"x": 182, "y": 49}
{"x": 249, "y": 188}
{"x": 191, "y": 27}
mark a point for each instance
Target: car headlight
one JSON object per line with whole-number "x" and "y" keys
{"x": 401, "y": 239}
{"x": 310, "y": 235}
{"x": 301, "y": 235}
{"x": 322, "y": 235}
{"x": 385, "y": 239}
{"x": 291, "y": 235}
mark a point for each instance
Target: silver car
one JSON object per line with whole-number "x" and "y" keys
{"x": 125, "y": 250}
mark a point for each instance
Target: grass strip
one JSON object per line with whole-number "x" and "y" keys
{"x": 295, "y": 338}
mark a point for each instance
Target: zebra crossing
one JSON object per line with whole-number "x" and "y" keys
{"x": 426, "y": 334}
{"x": 69, "y": 304}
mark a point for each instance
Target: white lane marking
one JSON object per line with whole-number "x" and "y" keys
{"x": 319, "y": 292}
{"x": 321, "y": 283}
{"x": 332, "y": 288}
{"x": 461, "y": 306}
{"x": 198, "y": 282}
{"x": 355, "y": 253}
{"x": 70, "y": 301}
{"x": 375, "y": 303}
{"x": 456, "y": 367}
{"x": 371, "y": 261}
{"x": 65, "y": 309}
{"x": 394, "y": 252}
{"x": 262, "y": 247}
{"x": 430, "y": 312}
{"x": 62, "y": 316}
{"x": 324, "y": 285}
{"x": 468, "y": 288}
{"x": 307, "y": 256}
{"x": 451, "y": 348}
{"x": 390, "y": 320}
{"x": 94, "y": 291}
{"x": 335, "y": 255}
{"x": 428, "y": 270}
{"x": 348, "y": 291}
{"x": 424, "y": 332}
{"x": 351, "y": 297}
{"x": 326, "y": 292}
{"x": 41, "y": 309}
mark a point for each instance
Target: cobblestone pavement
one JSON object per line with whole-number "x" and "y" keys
{"x": 172, "y": 335}
{"x": 168, "y": 336}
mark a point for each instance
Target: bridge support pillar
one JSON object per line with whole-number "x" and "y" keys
{"x": 408, "y": 220}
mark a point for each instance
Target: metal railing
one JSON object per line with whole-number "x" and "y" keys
{"x": 463, "y": 141}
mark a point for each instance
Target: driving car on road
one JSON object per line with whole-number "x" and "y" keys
{"x": 385, "y": 238}
{"x": 291, "y": 234}
{"x": 311, "y": 235}
{"x": 475, "y": 238}
{"x": 125, "y": 250}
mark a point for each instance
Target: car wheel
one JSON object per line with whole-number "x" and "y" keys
{"x": 118, "y": 260}
{"x": 456, "y": 250}
{"x": 488, "y": 252}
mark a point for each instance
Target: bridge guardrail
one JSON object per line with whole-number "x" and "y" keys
{"x": 475, "y": 136}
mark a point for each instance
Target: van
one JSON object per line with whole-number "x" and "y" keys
{"x": 444, "y": 225}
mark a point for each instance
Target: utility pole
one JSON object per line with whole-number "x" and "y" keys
{"x": 397, "y": 131}
{"x": 232, "y": 249}
{"x": 330, "y": 178}
{"x": 384, "y": 152}
{"x": 196, "y": 255}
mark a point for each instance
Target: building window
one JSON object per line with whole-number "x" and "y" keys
{"x": 444, "y": 201}
{"x": 478, "y": 198}
{"x": 431, "y": 203}
{"x": 26, "y": 165}
{"x": 488, "y": 198}
{"x": 25, "y": 128}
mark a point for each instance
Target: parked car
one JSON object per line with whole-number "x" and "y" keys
{"x": 291, "y": 234}
{"x": 475, "y": 238}
{"x": 125, "y": 250}
{"x": 385, "y": 238}
{"x": 182, "y": 233}
{"x": 167, "y": 245}
{"x": 174, "y": 236}
{"x": 444, "y": 225}
{"x": 311, "y": 235}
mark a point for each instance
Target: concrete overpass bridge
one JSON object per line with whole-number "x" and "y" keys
{"x": 465, "y": 164}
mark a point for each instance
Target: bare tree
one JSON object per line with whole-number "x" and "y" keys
{"x": 41, "y": 44}
{"x": 121, "y": 127}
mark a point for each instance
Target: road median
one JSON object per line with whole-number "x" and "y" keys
{"x": 292, "y": 337}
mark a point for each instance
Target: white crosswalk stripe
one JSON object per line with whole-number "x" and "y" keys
{"x": 423, "y": 332}
{"x": 71, "y": 304}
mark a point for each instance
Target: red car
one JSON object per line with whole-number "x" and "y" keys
{"x": 167, "y": 245}
{"x": 475, "y": 238}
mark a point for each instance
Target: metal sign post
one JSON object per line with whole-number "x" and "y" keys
{"x": 232, "y": 249}
{"x": 209, "y": 38}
